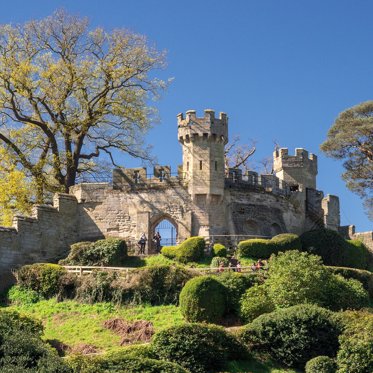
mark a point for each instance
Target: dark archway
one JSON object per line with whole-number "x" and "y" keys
{"x": 275, "y": 229}
{"x": 252, "y": 228}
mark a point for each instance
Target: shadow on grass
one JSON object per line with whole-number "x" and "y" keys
{"x": 256, "y": 366}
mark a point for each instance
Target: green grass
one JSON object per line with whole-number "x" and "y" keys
{"x": 74, "y": 323}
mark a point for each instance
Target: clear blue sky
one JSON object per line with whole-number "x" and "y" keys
{"x": 282, "y": 70}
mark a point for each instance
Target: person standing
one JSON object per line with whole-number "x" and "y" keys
{"x": 142, "y": 243}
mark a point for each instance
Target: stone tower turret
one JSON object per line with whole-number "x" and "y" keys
{"x": 203, "y": 140}
{"x": 299, "y": 170}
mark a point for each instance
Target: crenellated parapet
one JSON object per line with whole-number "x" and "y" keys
{"x": 298, "y": 170}
{"x": 206, "y": 128}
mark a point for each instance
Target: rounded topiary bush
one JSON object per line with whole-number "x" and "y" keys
{"x": 219, "y": 250}
{"x": 191, "y": 250}
{"x": 169, "y": 251}
{"x": 342, "y": 294}
{"x": 44, "y": 278}
{"x": 198, "y": 347}
{"x": 236, "y": 285}
{"x": 321, "y": 364}
{"x": 203, "y": 299}
{"x": 294, "y": 335}
{"x": 286, "y": 241}
{"x": 217, "y": 261}
{"x": 255, "y": 248}
{"x": 255, "y": 302}
{"x": 326, "y": 243}
{"x": 365, "y": 277}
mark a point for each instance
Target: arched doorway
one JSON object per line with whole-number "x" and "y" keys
{"x": 252, "y": 228}
{"x": 275, "y": 229}
{"x": 168, "y": 231}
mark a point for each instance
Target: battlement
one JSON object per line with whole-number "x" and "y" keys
{"x": 301, "y": 155}
{"x": 208, "y": 127}
{"x": 298, "y": 170}
{"x": 253, "y": 181}
{"x": 139, "y": 177}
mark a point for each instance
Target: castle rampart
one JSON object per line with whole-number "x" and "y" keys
{"x": 199, "y": 199}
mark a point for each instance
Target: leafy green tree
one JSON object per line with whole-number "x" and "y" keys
{"x": 351, "y": 139}
{"x": 68, "y": 96}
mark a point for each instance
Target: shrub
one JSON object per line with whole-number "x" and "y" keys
{"x": 355, "y": 354}
{"x": 356, "y": 254}
{"x": 106, "y": 252}
{"x": 216, "y": 262}
{"x": 236, "y": 285}
{"x": 155, "y": 285}
{"x": 43, "y": 278}
{"x": 294, "y": 335}
{"x": 296, "y": 278}
{"x": 191, "y": 250}
{"x": 321, "y": 364}
{"x": 203, "y": 299}
{"x": 255, "y": 248}
{"x": 169, "y": 251}
{"x": 18, "y": 295}
{"x": 197, "y": 347}
{"x": 341, "y": 294}
{"x": 365, "y": 277}
{"x": 219, "y": 250}
{"x": 121, "y": 363}
{"x": 334, "y": 249}
{"x": 25, "y": 352}
{"x": 262, "y": 248}
{"x": 11, "y": 321}
{"x": 255, "y": 302}
{"x": 96, "y": 287}
{"x": 286, "y": 241}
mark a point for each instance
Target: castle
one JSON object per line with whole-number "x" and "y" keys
{"x": 201, "y": 198}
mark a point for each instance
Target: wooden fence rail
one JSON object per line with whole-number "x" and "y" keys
{"x": 86, "y": 270}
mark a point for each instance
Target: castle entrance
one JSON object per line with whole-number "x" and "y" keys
{"x": 167, "y": 230}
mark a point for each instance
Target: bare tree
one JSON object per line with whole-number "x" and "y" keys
{"x": 237, "y": 155}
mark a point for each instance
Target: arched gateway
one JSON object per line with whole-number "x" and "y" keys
{"x": 167, "y": 227}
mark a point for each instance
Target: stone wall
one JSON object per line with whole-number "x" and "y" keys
{"x": 43, "y": 237}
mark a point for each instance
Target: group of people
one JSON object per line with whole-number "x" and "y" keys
{"x": 156, "y": 241}
{"x": 233, "y": 265}
{"x": 260, "y": 264}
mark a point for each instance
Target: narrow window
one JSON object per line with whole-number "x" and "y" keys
{"x": 216, "y": 165}
{"x": 200, "y": 165}
{"x": 187, "y": 166}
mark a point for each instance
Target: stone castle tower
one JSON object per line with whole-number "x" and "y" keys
{"x": 203, "y": 140}
{"x": 299, "y": 171}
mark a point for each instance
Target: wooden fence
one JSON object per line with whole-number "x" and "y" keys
{"x": 85, "y": 270}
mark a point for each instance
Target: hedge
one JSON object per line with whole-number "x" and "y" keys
{"x": 43, "y": 278}
{"x": 217, "y": 261}
{"x": 169, "y": 251}
{"x": 263, "y": 248}
{"x": 334, "y": 249}
{"x": 294, "y": 335}
{"x": 365, "y": 277}
{"x": 198, "y": 347}
{"x": 191, "y": 250}
{"x": 106, "y": 252}
{"x": 203, "y": 299}
{"x": 219, "y": 250}
{"x": 255, "y": 302}
{"x": 236, "y": 285}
